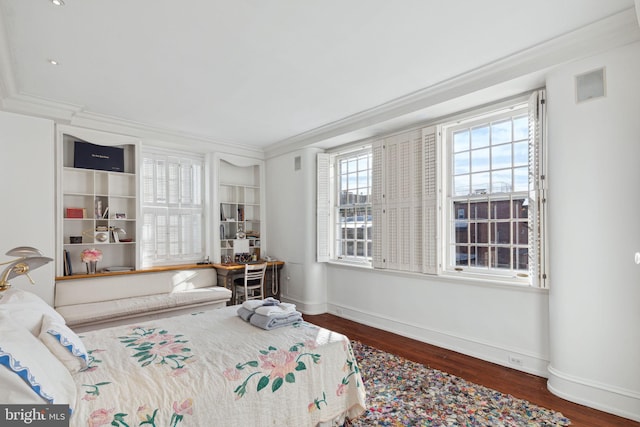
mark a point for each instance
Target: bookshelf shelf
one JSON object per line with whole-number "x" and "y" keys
{"x": 94, "y": 203}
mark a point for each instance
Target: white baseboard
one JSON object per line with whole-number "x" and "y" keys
{"x": 510, "y": 358}
{"x": 624, "y": 403}
{"x": 306, "y": 307}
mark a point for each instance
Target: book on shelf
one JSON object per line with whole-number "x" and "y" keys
{"x": 75, "y": 213}
{"x": 67, "y": 263}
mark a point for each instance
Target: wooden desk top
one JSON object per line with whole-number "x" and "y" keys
{"x": 236, "y": 266}
{"x": 146, "y": 270}
{"x": 228, "y": 267}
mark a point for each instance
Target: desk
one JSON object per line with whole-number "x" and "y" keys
{"x": 227, "y": 273}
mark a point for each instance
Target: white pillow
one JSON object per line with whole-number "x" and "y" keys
{"x": 26, "y": 309}
{"x": 64, "y": 344}
{"x": 26, "y": 358}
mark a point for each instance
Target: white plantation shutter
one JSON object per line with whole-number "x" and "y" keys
{"x": 172, "y": 208}
{"x": 323, "y": 208}
{"x": 149, "y": 240}
{"x": 162, "y": 227}
{"x": 537, "y": 189}
{"x": 173, "y": 181}
{"x": 429, "y": 189}
{"x": 160, "y": 177}
{"x": 379, "y": 241}
{"x": 148, "y": 180}
{"x": 192, "y": 187}
{"x": 403, "y": 196}
{"x": 186, "y": 184}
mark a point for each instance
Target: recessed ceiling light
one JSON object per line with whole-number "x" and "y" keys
{"x": 53, "y": 62}
{"x": 57, "y": 2}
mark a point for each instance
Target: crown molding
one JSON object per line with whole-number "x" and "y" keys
{"x": 74, "y": 115}
{"x": 611, "y": 32}
{"x": 40, "y": 107}
{"x": 162, "y": 136}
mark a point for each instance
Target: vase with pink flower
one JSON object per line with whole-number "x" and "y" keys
{"x": 91, "y": 258}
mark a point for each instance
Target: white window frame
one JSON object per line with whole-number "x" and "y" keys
{"x": 412, "y": 230}
{"x": 535, "y": 276}
{"x": 329, "y": 230}
{"x": 172, "y": 208}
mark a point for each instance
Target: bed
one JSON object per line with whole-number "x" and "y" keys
{"x": 201, "y": 369}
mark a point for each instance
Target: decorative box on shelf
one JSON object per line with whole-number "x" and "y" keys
{"x": 75, "y": 213}
{"x": 98, "y": 157}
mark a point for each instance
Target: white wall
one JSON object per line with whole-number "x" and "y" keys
{"x": 291, "y": 216}
{"x": 495, "y": 323}
{"x": 588, "y": 325}
{"x": 489, "y": 322}
{"x": 594, "y": 194}
{"x": 27, "y": 192}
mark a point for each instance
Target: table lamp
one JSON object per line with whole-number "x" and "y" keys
{"x": 28, "y": 259}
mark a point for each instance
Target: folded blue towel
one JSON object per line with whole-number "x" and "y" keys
{"x": 252, "y": 304}
{"x": 244, "y": 313}
{"x": 273, "y": 322}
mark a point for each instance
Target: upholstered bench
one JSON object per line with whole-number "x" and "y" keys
{"x": 102, "y": 301}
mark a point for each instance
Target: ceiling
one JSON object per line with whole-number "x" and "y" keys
{"x": 262, "y": 74}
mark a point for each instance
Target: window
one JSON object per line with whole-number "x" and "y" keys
{"x": 464, "y": 198}
{"x": 489, "y": 193}
{"x": 344, "y": 206}
{"x": 492, "y": 220}
{"x": 353, "y": 211}
{"x": 172, "y": 208}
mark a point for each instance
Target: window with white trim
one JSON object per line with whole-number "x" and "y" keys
{"x": 488, "y": 200}
{"x": 172, "y": 208}
{"x": 493, "y": 186}
{"x": 348, "y": 213}
{"x": 464, "y": 198}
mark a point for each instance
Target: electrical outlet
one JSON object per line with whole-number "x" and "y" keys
{"x": 515, "y": 360}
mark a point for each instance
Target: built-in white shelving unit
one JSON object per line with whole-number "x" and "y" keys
{"x": 96, "y": 208}
{"x": 240, "y": 208}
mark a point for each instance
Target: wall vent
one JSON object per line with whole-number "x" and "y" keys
{"x": 590, "y": 85}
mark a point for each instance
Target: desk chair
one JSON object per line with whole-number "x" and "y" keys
{"x": 251, "y": 285}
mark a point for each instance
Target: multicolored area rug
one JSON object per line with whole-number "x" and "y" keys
{"x": 404, "y": 393}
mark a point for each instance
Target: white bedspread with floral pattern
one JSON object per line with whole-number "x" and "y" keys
{"x": 214, "y": 369}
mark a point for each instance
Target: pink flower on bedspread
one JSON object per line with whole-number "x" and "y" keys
{"x": 177, "y": 372}
{"x": 144, "y": 412}
{"x": 151, "y": 345}
{"x": 280, "y": 362}
{"x": 167, "y": 349}
{"x": 232, "y": 374}
{"x": 277, "y": 367}
{"x": 185, "y": 408}
{"x": 179, "y": 411}
{"x": 100, "y": 417}
{"x": 156, "y": 338}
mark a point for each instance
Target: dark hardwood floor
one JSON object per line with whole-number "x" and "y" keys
{"x": 506, "y": 380}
